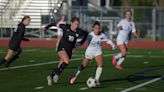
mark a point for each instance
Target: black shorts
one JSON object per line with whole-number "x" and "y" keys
{"x": 68, "y": 51}
{"x": 15, "y": 48}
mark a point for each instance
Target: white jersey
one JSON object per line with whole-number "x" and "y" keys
{"x": 127, "y": 27}
{"x": 95, "y": 44}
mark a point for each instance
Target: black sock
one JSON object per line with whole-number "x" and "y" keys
{"x": 13, "y": 59}
{"x": 59, "y": 70}
{"x": 81, "y": 67}
{"x": 3, "y": 61}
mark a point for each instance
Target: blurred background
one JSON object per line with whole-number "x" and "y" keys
{"x": 148, "y": 16}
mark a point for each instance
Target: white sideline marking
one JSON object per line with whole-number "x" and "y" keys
{"x": 40, "y": 87}
{"x": 26, "y": 50}
{"x": 146, "y": 62}
{"x": 142, "y": 84}
{"x": 52, "y": 62}
{"x": 83, "y": 88}
{"x": 31, "y": 61}
{"x": 39, "y": 64}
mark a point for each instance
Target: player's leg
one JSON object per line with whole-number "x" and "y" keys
{"x": 9, "y": 55}
{"x": 123, "y": 49}
{"x": 16, "y": 56}
{"x": 62, "y": 64}
{"x": 116, "y": 57}
{"x": 84, "y": 64}
{"x": 99, "y": 60}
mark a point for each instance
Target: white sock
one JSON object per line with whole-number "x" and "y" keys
{"x": 77, "y": 73}
{"x": 120, "y": 61}
{"x": 98, "y": 73}
{"x": 119, "y": 55}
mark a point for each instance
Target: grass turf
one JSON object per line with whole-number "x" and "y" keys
{"x": 141, "y": 65}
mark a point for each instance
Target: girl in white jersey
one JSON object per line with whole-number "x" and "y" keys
{"x": 94, "y": 50}
{"x": 125, "y": 27}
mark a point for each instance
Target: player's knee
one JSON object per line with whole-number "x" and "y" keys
{"x": 124, "y": 54}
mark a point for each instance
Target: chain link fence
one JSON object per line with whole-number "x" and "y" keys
{"x": 149, "y": 21}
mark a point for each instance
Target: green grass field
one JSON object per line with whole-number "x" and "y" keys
{"x": 29, "y": 73}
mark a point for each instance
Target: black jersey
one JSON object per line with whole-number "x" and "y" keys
{"x": 70, "y": 37}
{"x": 17, "y": 37}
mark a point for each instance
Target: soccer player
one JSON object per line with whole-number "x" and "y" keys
{"x": 69, "y": 34}
{"x": 125, "y": 28}
{"x": 94, "y": 50}
{"x": 15, "y": 50}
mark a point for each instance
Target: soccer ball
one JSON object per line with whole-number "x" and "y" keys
{"x": 91, "y": 82}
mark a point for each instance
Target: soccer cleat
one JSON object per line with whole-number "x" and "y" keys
{"x": 49, "y": 80}
{"x": 118, "y": 67}
{"x": 114, "y": 61}
{"x": 72, "y": 80}
{"x": 55, "y": 78}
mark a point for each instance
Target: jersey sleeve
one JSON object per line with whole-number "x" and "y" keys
{"x": 50, "y": 25}
{"x": 133, "y": 27}
{"x": 20, "y": 32}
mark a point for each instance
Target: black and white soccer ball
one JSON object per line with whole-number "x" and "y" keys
{"x": 91, "y": 82}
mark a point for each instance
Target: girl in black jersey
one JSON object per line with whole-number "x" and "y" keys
{"x": 68, "y": 37}
{"x": 14, "y": 44}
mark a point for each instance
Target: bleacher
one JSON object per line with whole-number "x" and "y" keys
{"x": 16, "y": 9}
{"x": 3, "y": 4}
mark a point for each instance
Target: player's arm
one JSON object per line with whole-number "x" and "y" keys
{"x": 50, "y": 25}
{"x": 84, "y": 35}
{"x": 109, "y": 41}
{"x": 20, "y": 31}
{"x": 47, "y": 27}
{"x": 134, "y": 31}
{"x": 25, "y": 39}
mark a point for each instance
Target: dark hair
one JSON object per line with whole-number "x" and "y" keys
{"x": 96, "y": 23}
{"x": 74, "y": 19}
{"x": 127, "y": 10}
{"x": 25, "y": 17}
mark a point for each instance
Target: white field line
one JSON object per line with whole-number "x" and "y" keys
{"x": 142, "y": 84}
{"x": 39, "y": 64}
{"x": 52, "y": 62}
{"x": 26, "y": 50}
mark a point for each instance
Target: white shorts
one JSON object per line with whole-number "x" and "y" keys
{"x": 121, "y": 40}
{"x": 90, "y": 54}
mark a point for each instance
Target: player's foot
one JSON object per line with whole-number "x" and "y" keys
{"x": 49, "y": 80}
{"x": 72, "y": 80}
{"x": 55, "y": 78}
{"x": 118, "y": 67}
{"x": 114, "y": 61}
{"x": 98, "y": 82}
